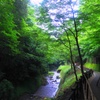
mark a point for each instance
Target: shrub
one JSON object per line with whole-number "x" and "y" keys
{"x": 6, "y": 90}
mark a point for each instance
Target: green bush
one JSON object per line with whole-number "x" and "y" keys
{"x": 50, "y": 73}
{"x": 6, "y": 90}
{"x": 28, "y": 86}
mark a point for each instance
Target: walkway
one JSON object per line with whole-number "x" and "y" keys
{"x": 95, "y": 84}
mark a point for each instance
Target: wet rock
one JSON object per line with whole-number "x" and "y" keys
{"x": 38, "y": 98}
{"x": 54, "y": 81}
{"x": 44, "y": 81}
{"x": 57, "y": 77}
{"x": 51, "y": 77}
{"x": 58, "y": 71}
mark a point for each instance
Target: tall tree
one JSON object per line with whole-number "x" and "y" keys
{"x": 8, "y": 47}
{"x": 20, "y": 11}
{"x": 64, "y": 14}
{"x": 90, "y": 28}
{"x": 8, "y": 38}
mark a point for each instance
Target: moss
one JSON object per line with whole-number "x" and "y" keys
{"x": 64, "y": 69}
{"x": 67, "y": 80}
{"x": 95, "y": 67}
{"x": 50, "y": 73}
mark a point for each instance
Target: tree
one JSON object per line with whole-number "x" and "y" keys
{"x": 20, "y": 11}
{"x": 64, "y": 14}
{"x": 70, "y": 49}
{"x": 8, "y": 47}
{"x": 90, "y": 28}
{"x": 8, "y": 38}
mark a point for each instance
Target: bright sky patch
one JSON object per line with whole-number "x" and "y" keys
{"x": 36, "y": 2}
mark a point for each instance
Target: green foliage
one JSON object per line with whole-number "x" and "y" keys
{"x": 10, "y": 43}
{"x": 6, "y": 90}
{"x": 30, "y": 85}
{"x": 23, "y": 47}
{"x": 64, "y": 69}
{"x": 67, "y": 78}
{"x": 50, "y": 73}
{"x": 63, "y": 40}
{"x": 90, "y": 28}
{"x": 8, "y": 36}
{"x": 26, "y": 50}
{"x": 20, "y": 12}
{"x": 95, "y": 67}
{"x": 67, "y": 81}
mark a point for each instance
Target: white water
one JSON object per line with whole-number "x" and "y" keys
{"x": 51, "y": 88}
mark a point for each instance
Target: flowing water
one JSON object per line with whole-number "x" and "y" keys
{"x": 51, "y": 88}
{"x": 47, "y": 91}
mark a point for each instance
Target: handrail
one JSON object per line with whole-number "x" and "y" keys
{"x": 83, "y": 88}
{"x": 88, "y": 88}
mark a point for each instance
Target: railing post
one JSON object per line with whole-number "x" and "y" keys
{"x": 77, "y": 89}
{"x": 87, "y": 90}
{"x": 89, "y": 93}
{"x": 74, "y": 97}
{"x": 80, "y": 88}
{"x": 83, "y": 86}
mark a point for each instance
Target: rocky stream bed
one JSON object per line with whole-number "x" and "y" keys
{"x": 46, "y": 91}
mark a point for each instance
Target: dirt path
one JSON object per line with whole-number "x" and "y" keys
{"x": 95, "y": 84}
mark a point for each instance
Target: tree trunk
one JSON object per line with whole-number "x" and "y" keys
{"x": 80, "y": 56}
{"x": 71, "y": 55}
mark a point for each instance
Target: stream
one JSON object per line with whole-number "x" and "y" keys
{"x": 46, "y": 91}
{"x": 51, "y": 88}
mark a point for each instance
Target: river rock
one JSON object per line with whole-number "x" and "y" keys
{"x": 44, "y": 81}
{"x": 57, "y": 77}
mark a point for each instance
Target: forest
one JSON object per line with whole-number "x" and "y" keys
{"x": 37, "y": 39}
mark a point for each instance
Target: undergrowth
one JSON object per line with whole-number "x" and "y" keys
{"x": 67, "y": 79}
